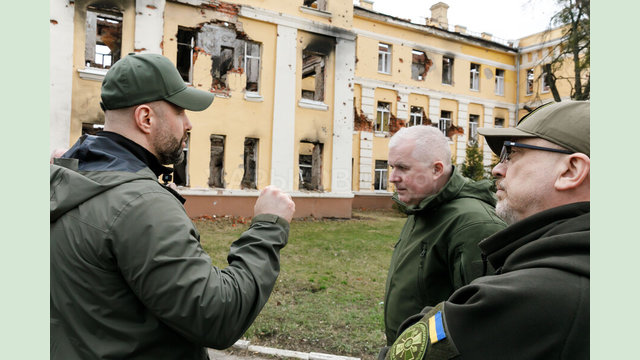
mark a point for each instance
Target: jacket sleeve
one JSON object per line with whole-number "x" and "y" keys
{"x": 159, "y": 254}
{"x": 465, "y": 256}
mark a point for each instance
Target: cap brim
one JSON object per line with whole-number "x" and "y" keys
{"x": 497, "y": 136}
{"x": 191, "y": 99}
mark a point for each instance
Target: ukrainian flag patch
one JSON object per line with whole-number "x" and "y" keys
{"x": 436, "y": 328}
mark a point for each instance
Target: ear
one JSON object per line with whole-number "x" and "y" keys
{"x": 575, "y": 172}
{"x": 438, "y": 169}
{"x": 143, "y": 116}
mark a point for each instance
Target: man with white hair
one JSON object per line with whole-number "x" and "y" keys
{"x": 536, "y": 306}
{"x": 448, "y": 215}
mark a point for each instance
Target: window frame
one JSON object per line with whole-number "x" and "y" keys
{"x": 246, "y": 62}
{"x": 446, "y": 121}
{"x": 500, "y": 82}
{"x": 380, "y": 115}
{"x": 383, "y": 173}
{"x": 384, "y": 58}
{"x": 447, "y": 70}
{"x": 474, "y": 77}
{"x": 413, "y": 115}
{"x": 530, "y": 77}
{"x": 473, "y": 127}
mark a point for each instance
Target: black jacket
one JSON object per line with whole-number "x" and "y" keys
{"x": 535, "y": 307}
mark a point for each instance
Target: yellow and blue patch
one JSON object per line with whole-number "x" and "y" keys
{"x": 436, "y": 328}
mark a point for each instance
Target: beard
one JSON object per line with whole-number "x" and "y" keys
{"x": 505, "y": 212}
{"x": 169, "y": 148}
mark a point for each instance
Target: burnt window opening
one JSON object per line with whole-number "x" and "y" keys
{"x": 382, "y": 117}
{"x": 313, "y": 75}
{"x": 445, "y": 121}
{"x": 310, "y": 166}
{"x": 420, "y": 65}
{"x": 216, "y": 164}
{"x": 184, "y": 60}
{"x": 181, "y": 170}
{"x": 226, "y": 46}
{"x": 252, "y": 65}
{"x": 546, "y": 69}
{"x": 250, "y": 178}
{"x": 447, "y": 70}
{"x": 415, "y": 117}
{"x": 473, "y": 128}
{"x": 530, "y": 80}
{"x": 381, "y": 175}
{"x": 91, "y": 128}
{"x": 221, "y": 65}
{"x": 498, "y": 122}
{"x": 103, "y": 40}
{"x": 316, "y": 4}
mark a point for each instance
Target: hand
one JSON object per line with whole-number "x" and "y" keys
{"x": 56, "y": 154}
{"x": 273, "y": 201}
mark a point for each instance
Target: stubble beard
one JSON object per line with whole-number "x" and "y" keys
{"x": 169, "y": 149}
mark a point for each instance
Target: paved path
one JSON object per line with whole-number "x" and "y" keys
{"x": 243, "y": 350}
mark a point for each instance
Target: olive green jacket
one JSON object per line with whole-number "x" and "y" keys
{"x": 438, "y": 252}
{"x": 128, "y": 277}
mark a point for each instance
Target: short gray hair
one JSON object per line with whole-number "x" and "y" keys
{"x": 430, "y": 144}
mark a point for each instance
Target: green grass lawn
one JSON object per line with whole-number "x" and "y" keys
{"x": 331, "y": 285}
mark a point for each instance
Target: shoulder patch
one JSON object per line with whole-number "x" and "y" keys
{"x": 436, "y": 329}
{"x": 411, "y": 345}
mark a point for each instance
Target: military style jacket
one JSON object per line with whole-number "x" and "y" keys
{"x": 128, "y": 277}
{"x": 438, "y": 248}
{"x": 535, "y": 307}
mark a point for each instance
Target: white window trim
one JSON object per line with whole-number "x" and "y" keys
{"x": 253, "y": 96}
{"x": 93, "y": 74}
{"x": 383, "y": 111}
{"x": 448, "y": 122}
{"x": 384, "y": 173}
{"x": 259, "y": 58}
{"x": 450, "y": 70}
{"x": 475, "y": 78}
{"x": 386, "y": 59}
{"x": 415, "y": 115}
{"x": 499, "y": 83}
{"x": 312, "y": 104}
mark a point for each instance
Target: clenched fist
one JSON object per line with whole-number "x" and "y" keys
{"x": 273, "y": 201}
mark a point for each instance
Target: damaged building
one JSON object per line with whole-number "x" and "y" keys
{"x": 308, "y": 93}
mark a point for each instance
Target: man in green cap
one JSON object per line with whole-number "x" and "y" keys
{"x": 128, "y": 277}
{"x": 537, "y": 304}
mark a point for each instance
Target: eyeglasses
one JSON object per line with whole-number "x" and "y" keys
{"x": 505, "y": 154}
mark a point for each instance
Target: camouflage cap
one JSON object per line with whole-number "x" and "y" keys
{"x": 565, "y": 123}
{"x": 141, "y": 78}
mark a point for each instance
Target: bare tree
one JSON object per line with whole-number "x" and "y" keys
{"x": 574, "y": 46}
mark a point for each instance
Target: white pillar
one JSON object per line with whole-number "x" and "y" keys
{"x": 343, "y": 116}
{"x": 434, "y": 109}
{"x": 366, "y": 160}
{"x": 284, "y": 109}
{"x": 149, "y": 27}
{"x": 461, "y": 140}
{"x": 368, "y": 99}
{"x": 488, "y": 122}
{"x": 403, "y": 106}
{"x": 60, "y": 72}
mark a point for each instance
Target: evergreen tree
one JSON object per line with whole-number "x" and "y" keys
{"x": 473, "y": 167}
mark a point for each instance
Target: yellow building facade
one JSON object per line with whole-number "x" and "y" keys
{"x": 308, "y": 93}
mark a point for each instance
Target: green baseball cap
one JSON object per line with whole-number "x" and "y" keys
{"x": 141, "y": 78}
{"x": 563, "y": 123}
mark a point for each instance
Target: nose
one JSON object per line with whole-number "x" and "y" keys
{"x": 187, "y": 123}
{"x": 393, "y": 177}
{"x": 499, "y": 170}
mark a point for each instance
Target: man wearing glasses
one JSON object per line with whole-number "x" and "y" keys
{"x": 537, "y": 304}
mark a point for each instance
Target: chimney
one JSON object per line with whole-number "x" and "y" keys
{"x": 461, "y": 29}
{"x": 367, "y": 4}
{"x": 439, "y": 15}
{"x": 487, "y": 36}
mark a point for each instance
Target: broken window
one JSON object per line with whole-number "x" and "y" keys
{"x": 474, "y": 77}
{"x": 445, "y": 121}
{"x": 498, "y": 122}
{"x": 180, "y": 171}
{"x": 499, "y": 82}
{"x": 184, "y": 61}
{"x": 250, "y": 177}
{"x": 382, "y": 117}
{"x": 447, "y": 70}
{"x": 316, "y": 4}
{"x": 384, "y": 58}
{"x": 103, "y": 37}
{"x": 252, "y": 65}
{"x": 216, "y": 164}
{"x": 380, "y": 175}
{"x": 310, "y": 166}
{"x": 415, "y": 117}
{"x": 419, "y": 65}
{"x": 313, "y": 71}
{"x": 91, "y": 128}
{"x": 473, "y": 127}
{"x": 546, "y": 69}
{"x": 530, "y": 79}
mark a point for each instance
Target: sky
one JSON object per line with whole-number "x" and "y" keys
{"x": 505, "y": 19}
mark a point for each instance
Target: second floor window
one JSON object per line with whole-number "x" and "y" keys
{"x": 499, "y": 82}
{"x": 184, "y": 60}
{"x": 382, "y": 117}
{"x": 252, "y": 65}
{"x": 419, "y": 65}
{"x": 473, "y": 127}
{"x": 546, "y": 69}
{"x": 530, "y": 80}
{"x": 316, "y": 4}
{"x": 474, "y": 77}
{"x": 313, "y": 69}
{"x": 447, "y": 70}
{"x": 103, "y": 38}
{"x": 384, "y": 58}
{"x": 415, "y": 117}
